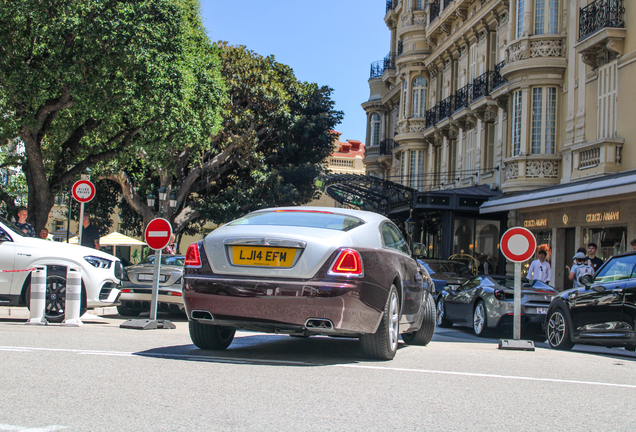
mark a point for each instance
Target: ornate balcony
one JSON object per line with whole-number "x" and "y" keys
{"x": 431, "y": 116}
{"x": 446, "y": 108}
{"x": 463, "y": 97}
{"x": 600, "y": 14}
{"x": 389, "y": 61}
{"x": 434, "y": 10}
{"x": 523, "y": 173}
{"x": 386, "y": 147}
{"x": 498, "y": 80}
{"x": 534, "y": 53}
{"x": 377, "y": 69}
{"x": 482, "y": 85}
{"x": 400, "y": 48}
{"x": 596, "y": 158}
{"x": 601, "y": 32}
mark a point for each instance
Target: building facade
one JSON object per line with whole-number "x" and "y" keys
{"x": 523, "y": 97}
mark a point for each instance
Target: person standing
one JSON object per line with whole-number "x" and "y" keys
{"x": 486, "y": 267}
{"x": 22, "y": 224}
{"x": 579, "y": 269}
{"x": 540, "y": 269}
{"x": 593, "y": 260}
{"x": 44, "y": 234}
{"x": 90, "y": 234}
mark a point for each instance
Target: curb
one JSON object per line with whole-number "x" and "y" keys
{"x": 23, "y": 312}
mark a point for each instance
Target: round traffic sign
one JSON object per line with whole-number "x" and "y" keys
{"x": 83, "y": 191}
{"x": 518, "y": 244}
{"x": 158, "y": 233}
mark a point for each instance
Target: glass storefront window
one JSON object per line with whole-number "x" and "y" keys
{"x": 544, "y": 242}
{"x": 610, "y": 240}
{"x": 477, "y": 238}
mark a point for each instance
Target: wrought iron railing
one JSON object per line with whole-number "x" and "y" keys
{"x": 390, "y": 5}
{"x": 377, "y": 69}
{"x": 482, "y": 85}
{"x": 431, "y": 116}
{"x": 387, "y": 146}
{"x": 601, "y": 14}
{"x": 433, "y": 10}
{"x": 463, "y": 97}
{"x": 389, "y": 61}
{"x": 400, "y": 48}
{"x": 446, "y": 108}
{"x": 497, "y": 79}
{"x": 447, "y": 3}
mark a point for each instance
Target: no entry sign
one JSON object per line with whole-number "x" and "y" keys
{"x": 158, "y": 233}
{"x": 83, "y": 191}
{"x": 518, "y": 244}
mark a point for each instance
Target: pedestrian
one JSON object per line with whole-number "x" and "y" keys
{"x": 633, "y": 243}
{"x": 540, "y": 269}
{"x": 44, "y": 234}
{"x": 593, "y": 260}
{"x": 486, "y": 267}
{"x": 90, "y": 234}
{"x": 22, "y": 224}
{"x": 171, "y": 248}
{"x": 579, "y": 269}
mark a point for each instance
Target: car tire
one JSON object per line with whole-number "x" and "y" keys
{"x": 383, "y": 344}
{"x": 424, "y": 335}
{"x": 480, "y": 320}
{"x": 210, "y": 337}
{"x": 124, "y": 310}
{"x": 56, "y": 297}
{"x": 441, "y": 314}
{"x": 558, "y": 331}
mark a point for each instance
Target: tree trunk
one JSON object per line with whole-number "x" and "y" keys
{"x": 41, "y": 198}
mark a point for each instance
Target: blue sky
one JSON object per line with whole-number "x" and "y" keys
{"x": 329, "y": 42}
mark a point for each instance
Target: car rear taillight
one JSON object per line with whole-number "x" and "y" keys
{"x": 347, "y": 263}
{"x": 126, "y": 290}
{"x": 500, "y": 295}
{"x": 192, "y": 257}
{"x": 176, "y": 294}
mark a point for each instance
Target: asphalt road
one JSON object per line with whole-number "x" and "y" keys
{"x": 99, "y": 377}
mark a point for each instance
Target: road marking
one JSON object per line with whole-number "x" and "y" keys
{"x": 481, "y": 375}
{"x": 233, "y": 360}
{"x": 5, "y": 427}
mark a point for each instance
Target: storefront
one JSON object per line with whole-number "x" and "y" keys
{"x": 566, "y": 217}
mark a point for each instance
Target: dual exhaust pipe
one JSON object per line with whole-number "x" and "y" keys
{"x": 320, "y": 324}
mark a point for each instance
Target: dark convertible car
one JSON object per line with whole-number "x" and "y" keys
{"x": 602, "y": 312}
{"x": 307, "y": 271}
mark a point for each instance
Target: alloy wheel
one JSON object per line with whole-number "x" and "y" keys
{"x": 479, "y": 318}
{"x": 440, "y": 312}
{"x": 394, "y": 322}
{"x": 556, "y": 328}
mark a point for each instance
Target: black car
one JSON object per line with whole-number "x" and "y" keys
{"x": 602, "y": 312}
{"x": 446, "y": 272}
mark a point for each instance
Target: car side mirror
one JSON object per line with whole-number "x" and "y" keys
{"x": 419, "y": 250}
{"x": 587, "y": 280}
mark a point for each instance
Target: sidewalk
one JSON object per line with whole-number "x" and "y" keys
{"x": 23, "y": 312}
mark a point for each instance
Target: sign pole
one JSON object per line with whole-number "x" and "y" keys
{"x": 81, "y": 224}
{"x": 517, "y": 302}
{"x": 155, "y": 286}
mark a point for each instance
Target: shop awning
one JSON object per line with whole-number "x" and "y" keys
{"x": 367, "y": 192}
{"x": 604, "y": 187}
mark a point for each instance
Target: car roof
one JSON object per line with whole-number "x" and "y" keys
{"x": 362, "y": 214}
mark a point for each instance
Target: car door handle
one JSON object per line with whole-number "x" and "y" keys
{"x": 619, "y": 291}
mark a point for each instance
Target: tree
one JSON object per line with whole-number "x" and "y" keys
{"x": 83, "y": 81}
{"x": 276, "y": 134}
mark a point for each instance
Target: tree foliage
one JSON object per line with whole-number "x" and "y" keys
{"x": 275, "y": 136}
{"x": 83, "y": 82}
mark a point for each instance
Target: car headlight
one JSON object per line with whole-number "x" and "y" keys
{"x": 98, "y": 262}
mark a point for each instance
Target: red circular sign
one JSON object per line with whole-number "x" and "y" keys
{"x": 83, "y": 191}
{"x": 158, "y": 233}
{"x": 518, "y": 244}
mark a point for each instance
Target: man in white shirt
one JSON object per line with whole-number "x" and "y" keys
{"x": 540, "y": 269}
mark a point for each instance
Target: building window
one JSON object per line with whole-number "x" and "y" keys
{"x": 420, "y": 4}
{"x": 438, "y": 165}
{"x": 516, "y": 123}
{"x": 404, "y": 93}
{"x": 403, "y": 167}
{"x": 417, "y": 170}
{"x": 470, "y": 147}
{"x": 607, "y": 75}
{"x": 519, "y": 20}
{"x": 544, "y": 112}
{"x": 375, "y": 129}
{"x": 546, "y": 19}
{"x": 489, "y": 158}
{"x": 420, "y": 86}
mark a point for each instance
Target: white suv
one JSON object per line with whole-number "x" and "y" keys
{"x": 101, "y": 272}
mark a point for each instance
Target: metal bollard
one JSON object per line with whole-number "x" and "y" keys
{"x": 73, "y": 298}
{"x": 37, "y": 303}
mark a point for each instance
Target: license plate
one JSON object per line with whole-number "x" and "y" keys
{"x": 263, "y": 256}
{"x": 542, "y": 310}
{"x": 148, "y": 277}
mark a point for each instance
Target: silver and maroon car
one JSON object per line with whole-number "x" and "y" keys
{"x": 307, "y": 271}
{"x": 487, "y": 302}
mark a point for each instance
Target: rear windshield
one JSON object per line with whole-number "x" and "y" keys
{"x": 176, "y": 260}
{"x": 301, "y": 218}
{"x": 450, "y": 267}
